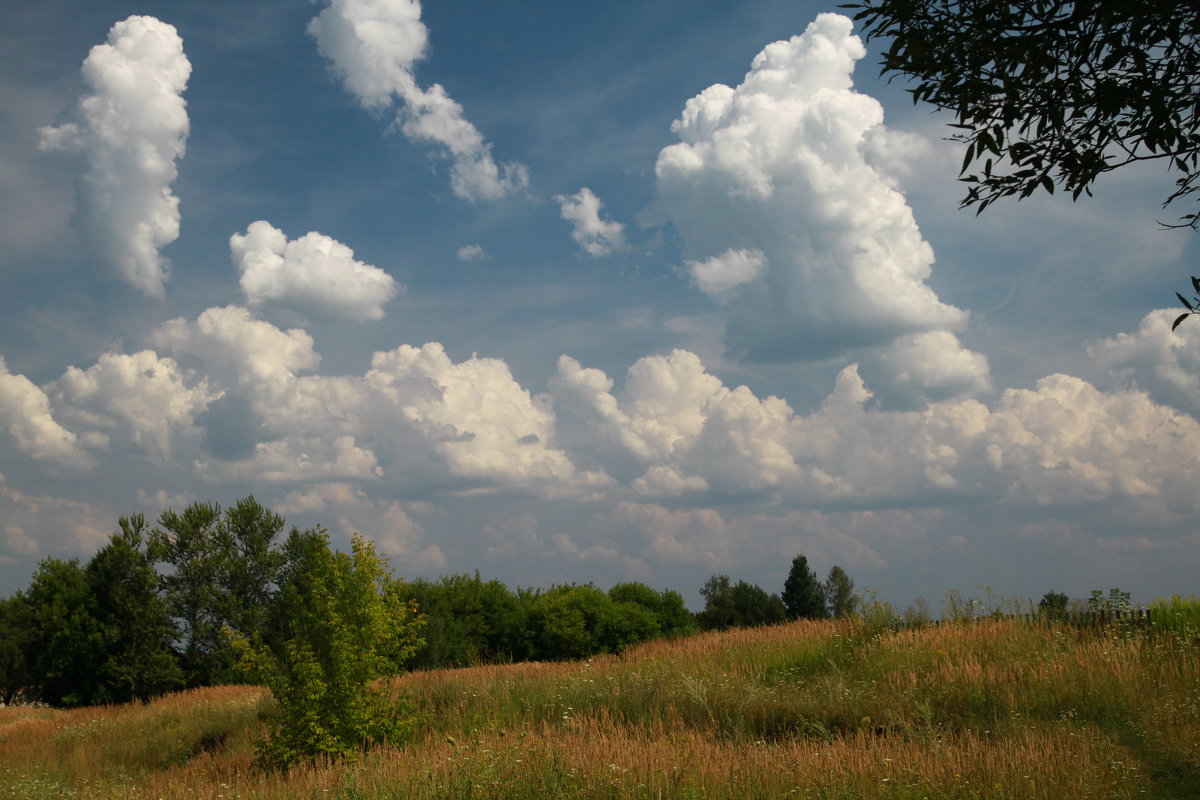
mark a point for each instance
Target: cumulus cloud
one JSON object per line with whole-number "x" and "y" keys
{"x": 597, "y": 237}
{"x": 920, "y": 368}
{"x": 774, "y": 169}
{"x": 132, "y": 129}
{"x": 314, "y": 273}
{"x": 718, "y": 275}
{"x": 1164, "y": 363}
{"x": 373, "y": 45}
{"x": 1063, "y": 442}
{"x": 145, "y": 398}
{"x": 25, "y": 414}
{"x": 415, "y": 418}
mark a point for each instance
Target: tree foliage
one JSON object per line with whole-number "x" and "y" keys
{"x": 344, "y": 625}
{"x": 803, "y": 594}
{"x": 1051, "y": 94}
{"x": 16, "y": 674}
{"x": 223, "y": 570}
{"x": 134, "y": 660}
{"x": 840, "y": 599}
{"x": 737, "y": 605}
{"x": 101, "y": 633}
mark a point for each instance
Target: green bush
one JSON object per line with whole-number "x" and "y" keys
{"x": 339, "y": 624}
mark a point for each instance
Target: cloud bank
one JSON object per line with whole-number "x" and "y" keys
{"x": 132, "y": 130}
{"x": 372, "y": 45}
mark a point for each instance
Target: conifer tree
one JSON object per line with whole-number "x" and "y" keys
{"x": 802, "y": 593}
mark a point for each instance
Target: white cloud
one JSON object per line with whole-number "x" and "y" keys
{"x": 144, "y": 396}
{"x": 920, "y": 368}
{"x": 314, "y": 273}
{"x": 597, "y": 237}
{"x": 776, "y": 166}
{"x": 133, "y": 128}
{"x": 25, "y": 414}
{"x": 1062, "y": 442}
{"x": 239, "y": 348}
{"x": 415, "y": 418}
{"x": 1160, "y": 361}
{"x": 484, "y": 425}
{"x": 722, "y": 273}
{"x": 372, "y": 46}
{"x": 470, "y": 252}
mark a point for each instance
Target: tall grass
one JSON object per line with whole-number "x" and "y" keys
{"x": 830, "y": 710}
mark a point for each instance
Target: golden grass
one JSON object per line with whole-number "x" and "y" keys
{"x": 827, "y": 710}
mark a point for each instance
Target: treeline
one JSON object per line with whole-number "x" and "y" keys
{"x": 470, "y": 621}
{"x": 159, "y": 608}
{"x": 155, "y": 610}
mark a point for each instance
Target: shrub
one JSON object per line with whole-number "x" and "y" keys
{"x": 339, "y": 625}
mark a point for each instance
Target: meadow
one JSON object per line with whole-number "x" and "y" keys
{"x": 825, "y": 709}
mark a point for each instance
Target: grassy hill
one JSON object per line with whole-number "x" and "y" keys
{"x": 829, "y": 709}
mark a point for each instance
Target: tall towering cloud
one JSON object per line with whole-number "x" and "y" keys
{"x": 598, "y": 237}
{"x": 314, "y": 273}
{"x": 372, "y": 46}
{"x": 132, "y": 129}
{"x": 781, "y": 214}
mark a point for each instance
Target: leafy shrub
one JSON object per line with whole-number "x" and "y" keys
{"x": 339, "y": 625}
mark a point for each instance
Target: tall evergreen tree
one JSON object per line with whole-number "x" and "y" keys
{"x": 802, "y": 593}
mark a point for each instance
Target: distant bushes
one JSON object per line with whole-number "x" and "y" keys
{"x": 470, "y": 621}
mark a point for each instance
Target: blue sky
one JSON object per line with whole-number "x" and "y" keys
{"x": 641, "y": 291}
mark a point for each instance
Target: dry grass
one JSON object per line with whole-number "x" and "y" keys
{"x": 818, "y": 710}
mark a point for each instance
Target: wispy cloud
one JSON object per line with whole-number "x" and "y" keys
{"x": 373, "y": 45}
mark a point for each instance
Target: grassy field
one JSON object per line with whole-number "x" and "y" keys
{"x": 982, "y": 709}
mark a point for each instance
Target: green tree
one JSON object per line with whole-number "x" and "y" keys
{"x": 187, "y": 543}
{"x": 468, "y": 621}
{"x": 223, "y": 570}
{"x": 802, "y": 592}
{"x": 342, "y": 624}
{"x": 65, "y": 643}
{"x": 737, "y": 605}
{"x": 135, "y": 660}
{"x": 840, "y": 599}
{"x": 1048, "y": 93}
{"x": 1054, "y": 605}
{"x": 16, "y": 677}
{"x": 671, "y": 617}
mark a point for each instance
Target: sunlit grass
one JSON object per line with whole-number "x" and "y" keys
{"x": 983, "y": 709}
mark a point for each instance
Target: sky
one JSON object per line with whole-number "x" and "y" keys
{"x": 645, "y": 290}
